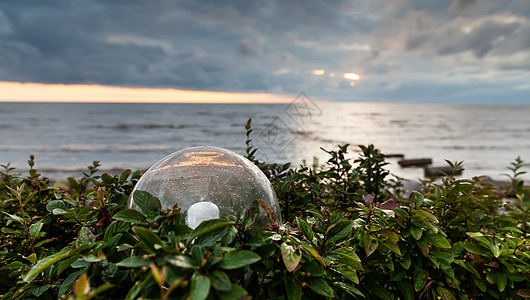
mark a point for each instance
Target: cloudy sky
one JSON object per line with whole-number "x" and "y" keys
{"x": 357, "y": 50}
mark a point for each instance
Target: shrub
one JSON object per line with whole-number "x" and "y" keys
{"x": 348, "y": 234}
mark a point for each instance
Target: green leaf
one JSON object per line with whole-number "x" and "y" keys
{"x": 130, "y": 215}
{"x": 59, "y": 211}
{"x": 32, "y": 258}
{"x": 501, "y": 281}
{"x": 423, "y": 244}
{"x": 313, "y": 253}
{"x": 495, "y": 250}
{"x": 370, "y": 243}
{"x": 443, "y": 257}
{"x": 294, "y": 289}
{"x": 211, "y": 237}
{"x": 146, "y": 202}
{"x": 133, "y": 262}
{"x": 416, "y": 232}
{"x": 182, "y": 261}
{"x": 220, "y": 281}
{"x": 148, "y": 237}
{"x": 208, "y": 226}
{"x": 468, "y": 267}
{"x": 45, "y": 263}
{"x": 348, "y": 288}
{"x": 445, "y": 293}
{"x": 34, "y": 229}
{"x": 125, "y": 175}
{"x": 438, "y": 240}
{"x": 238, "y": 259}
{"x": 349, "y": 257}
{"x": 406, "y": 290}
{"x": 391, "y": 235}
{"x": 419, "y": 198}
{"x": 472, "y": 248}
{"x": 420, "y": 279}
{"x": 236, "y": 293}
{"x": 291, "y": 258}
{"x": 86, "y": 237}
{"x": 426, "y": 216}
{"x": 37, "y": 291}
{"x": 107, "y": 178}
{"x": 200, "y": 286}
{"x": 406, "y": 262}
{"x": 14, "y": 217}
{"x": 480, "y": 284}
{"x": 393, "y": 247}
{"x": 68, "y": 282}
{"x": 305, "y": 228}
{"x": 475, "y": 234}
{"x": 339, "y": 230}
{"x": 347, "y": 272}
{"x": 321, "y": 287}
{"x": 314, "y": 268}
{"x": 114, "y": 228}
{"x": 50, "y": 206}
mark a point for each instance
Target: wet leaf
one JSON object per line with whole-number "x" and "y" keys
{"x": 370, "y": 243}
{"x": 320, "y": 286}
{"x": 86, "y": 237}
{"x": 50, "y": 206}
{"x": 235, "y": 293}
{"x": 291, "y": 258}
{"x": 339, "y": 230}
{"x": 200, "y": 286}
{"x": 347, "y": 272}
{"x": 416, "y": 232}
{"x": 130, "y": 215}
{"x": 439, "y": 241}
{"x": 45, "y": 263}
{"x": 133, "y": 262}
{"x": 146, "y": 202}
{"x": 445, "y": 293}
{"x": 406, "y": 290}
{"x": 220, "y": 281}
{"x": 313, "y": 253}
{"x": 148, "y": 237}
{"x": 294, "y": 290}
{"x": 238, "y": 259}
{"x": 305, "y": 228}
{"x": 34, "y": 229}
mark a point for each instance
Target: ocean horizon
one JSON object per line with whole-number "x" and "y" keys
{"x": 66, "y": 137}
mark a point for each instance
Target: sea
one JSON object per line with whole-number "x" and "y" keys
{"x": 65, "y": 138}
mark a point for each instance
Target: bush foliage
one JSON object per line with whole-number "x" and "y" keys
{"x": 349, "y": 232}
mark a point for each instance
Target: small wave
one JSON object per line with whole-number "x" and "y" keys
{"x": 73, "y": 148}
{"x": 139, "y": 126}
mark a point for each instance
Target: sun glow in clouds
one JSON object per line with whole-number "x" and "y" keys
{"x": 352, "y": 76}
{"x": 318, "y": 72}
{"x": 38, "y": 92}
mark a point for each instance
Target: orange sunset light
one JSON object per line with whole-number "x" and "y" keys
{"x": 39, "y": 92}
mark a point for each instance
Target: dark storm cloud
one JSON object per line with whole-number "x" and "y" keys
{"x": 183, "y": 44}
{"x": 260, "y": 46}
{"x": 462, "y": 5}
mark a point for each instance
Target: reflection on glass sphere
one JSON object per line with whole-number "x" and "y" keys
{"x": 207, "y": 183}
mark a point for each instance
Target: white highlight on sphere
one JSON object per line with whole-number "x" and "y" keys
{"x": 208, "y": 174}
{"x": 201, "y": 211}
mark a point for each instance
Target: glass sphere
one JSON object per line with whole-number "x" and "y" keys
{"x": 207, "y": 183}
